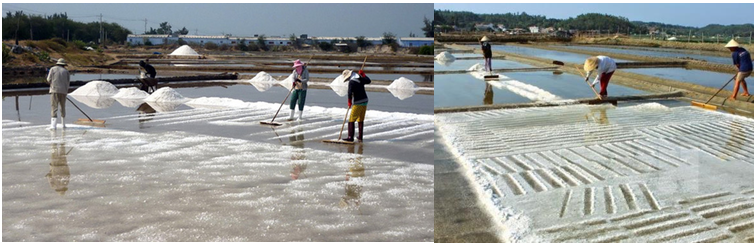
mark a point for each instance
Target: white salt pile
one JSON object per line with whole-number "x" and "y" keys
{"x": 131, "y": 93}
{"x": 445, "y": 56}
{"x": 97, "y": 102}
{"x": 528, "y": 91}
{"x": 185, "y": 50}
{"x": 96, "y": 88}
{"x": 402, "y": 83}
{"x": 263, "y": 81}
{"x": 166, "y": 94}
{"x": 402, "y": 88}
{"x": 288, "y": 83}
{"x": 649, "y": 106}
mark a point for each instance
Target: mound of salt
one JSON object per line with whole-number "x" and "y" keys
{"x": 185, "y": 50}
{"x": 166, "y": 94}
{"x": 402, "y": 88}
{"x": 263, "y": 81}
{"x": 288, "y": 83}
{"x": 445, "y": 55}
{"x": 96, "y": 88}
{"x": 131, "y": 93}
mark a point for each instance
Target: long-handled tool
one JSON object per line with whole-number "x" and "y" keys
{"x": 272, "y": 122}
{"x": 81, "y": 121}
{"x": 279, "y": 110}
{"x": 599, "y": 99}
{"x": 339, "y": 141}
{"x": 709, "y": 106}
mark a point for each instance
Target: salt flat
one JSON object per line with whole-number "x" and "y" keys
{"x": 640, "y": 173}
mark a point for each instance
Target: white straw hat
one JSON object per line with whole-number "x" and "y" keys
{"x": 732, "y": 44}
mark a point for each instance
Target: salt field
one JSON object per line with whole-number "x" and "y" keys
{"x": 642, "y": 172}
{"x": 194, "y": 164}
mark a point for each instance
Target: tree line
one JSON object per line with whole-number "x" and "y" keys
{"x": 23, "y": 26}
{"x": 591, "y": 21}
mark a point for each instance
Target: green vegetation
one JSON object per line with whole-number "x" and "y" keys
{"x": 24, "y": 27}
{"x": 590, "y": 21}
{"x": 261, "y": 43}
{"x": 210, "y": 46}
{"x": 426, "y": 50}
{"x": 325, "y": 46}
{"x": 6, "y": 53}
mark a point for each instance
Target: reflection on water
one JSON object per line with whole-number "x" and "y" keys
{"x": 297, "y": 137}
{"x": 146, "y": 113}
{"x": 352, "y": 191}
{"x": 597, "y": 115}
{"x": 487, "y": 98}
{"x": 59, "y": 175}
{"x": 298, "y": 168}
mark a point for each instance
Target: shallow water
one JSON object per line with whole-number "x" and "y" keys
{"x": 705, "y": 78}
{"x": 654, "y": 52}
{"x": 547, "y": 54}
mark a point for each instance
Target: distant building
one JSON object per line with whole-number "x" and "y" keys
{"x": 269, "y": 41}
{"x": 484, "y": 27}
{"x": 415, "y": 41}
{"x": 534, "y": 29}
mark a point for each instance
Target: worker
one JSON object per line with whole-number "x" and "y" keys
{"x": 743, "y": 62}
{"x": 59, "y": 80}
{"x": 357, "y": 93}
{"x": 301, "y": 77}
{"x": 604, "y": 66}
{"x": 487, "y": 53}
{"x": 150, "y": 81}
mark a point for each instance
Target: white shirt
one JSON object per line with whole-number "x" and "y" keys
{"x": 605, "y": 65}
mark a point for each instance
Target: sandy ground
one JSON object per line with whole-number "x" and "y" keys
{"x": 641, "y": 173}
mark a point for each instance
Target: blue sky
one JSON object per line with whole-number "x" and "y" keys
{"x": 246, "y": 19}
{"x": 687, "y": 14}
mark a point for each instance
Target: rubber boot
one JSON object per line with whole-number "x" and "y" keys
{"x": 351, "y": 133}
{"x": 63, "y": 121}
{"x": 53, "y": 124}
{"x": 300, "y": 117}
{"x": 291, "y": 116}
{"x": 361, "y": 130}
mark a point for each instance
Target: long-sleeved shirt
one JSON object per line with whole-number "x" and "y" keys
{"x": 59, "y": 80}
{"x": 304, "y": 77}
{"x": 605, "y": 65}
{"x": 486, "y": 50}
{"x": 742, "y": 58}
{"x": 356, "y": 89}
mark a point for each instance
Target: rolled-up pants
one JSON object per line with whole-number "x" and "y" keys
{"x": 55, "y": 100}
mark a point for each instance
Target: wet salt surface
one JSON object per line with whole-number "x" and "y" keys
{"x": 391, "y": 139}
{"x": 640, "y": 172}
{"x": 93, "y": 184}
{"x": 458, "y": 65}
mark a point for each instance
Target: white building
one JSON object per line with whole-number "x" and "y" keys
{"x": 269, "y": 41}
{"x": 534, "y": 29}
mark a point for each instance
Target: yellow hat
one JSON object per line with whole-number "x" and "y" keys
{"x": 484, "y": 39}
{"x": 591, "y": 64}
{"x": 732, "y": 44}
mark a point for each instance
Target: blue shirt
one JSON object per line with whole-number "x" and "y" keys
{"x": 742, "y": 58}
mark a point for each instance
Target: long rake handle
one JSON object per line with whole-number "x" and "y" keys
{"x": 344, "y": 123}
{"x": 77, "y": 107}
{"x": 722, "y": 88}
{"x": 588, "y": 84}
{"x": 284, "y": 101}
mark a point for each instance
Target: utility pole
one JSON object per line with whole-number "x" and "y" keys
{"x": 100, "y": 41}
{"x": 196, "y": 32}
{"x": 68, "y": 35}
{"x": 145, "y": 25}
{"x": 689, "y": 37}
